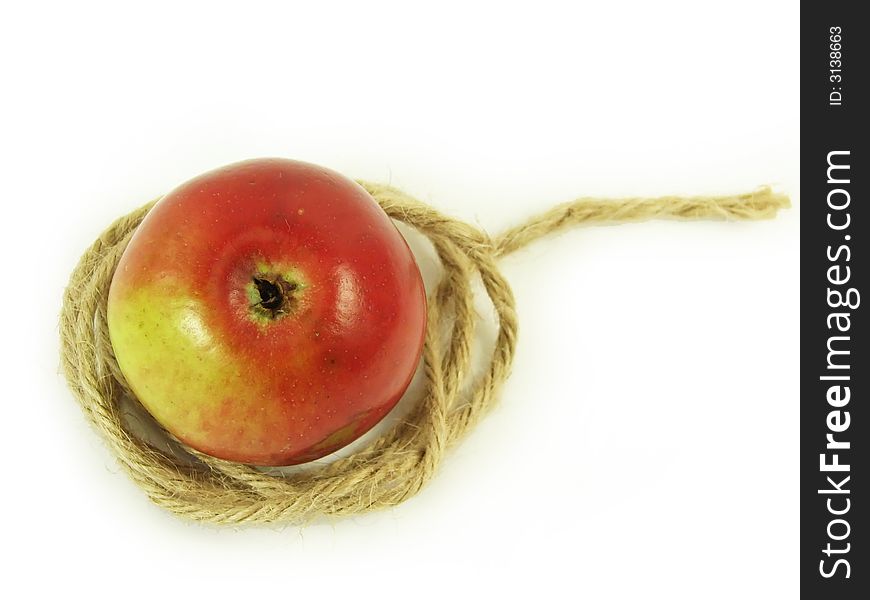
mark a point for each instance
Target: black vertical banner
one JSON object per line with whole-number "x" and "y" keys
{"x": 835, "y": 368}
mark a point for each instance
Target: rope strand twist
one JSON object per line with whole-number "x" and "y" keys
{"x": 397, "y": 465}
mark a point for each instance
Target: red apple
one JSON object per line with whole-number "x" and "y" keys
{"x": 268, "y": 312}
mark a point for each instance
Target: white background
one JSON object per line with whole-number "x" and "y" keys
{"x": 646, "y": 445}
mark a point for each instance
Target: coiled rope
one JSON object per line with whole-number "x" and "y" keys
{"x": 398, "y": 464}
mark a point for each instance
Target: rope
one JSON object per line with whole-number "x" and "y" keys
{"x": 398, "y": 464}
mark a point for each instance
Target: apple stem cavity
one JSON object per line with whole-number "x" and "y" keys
{"x": 276, "y": 296}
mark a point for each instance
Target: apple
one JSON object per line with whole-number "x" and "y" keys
{"x": 267, "y": 312}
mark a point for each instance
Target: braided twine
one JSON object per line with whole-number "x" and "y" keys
{"x": 398, "y": 464}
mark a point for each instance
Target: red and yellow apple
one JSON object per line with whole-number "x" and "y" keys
{"x": 267, "y": 312}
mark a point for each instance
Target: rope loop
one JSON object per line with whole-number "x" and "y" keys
{"x": 398, "y": 464}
